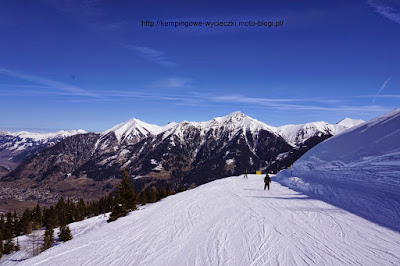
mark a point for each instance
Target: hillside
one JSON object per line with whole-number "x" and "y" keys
{"x": 231, "y": 221}
{"x": 358, "y": 170}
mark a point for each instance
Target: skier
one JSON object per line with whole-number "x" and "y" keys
{"x": 267, "y": 180}
{"x": 245, "y": 173}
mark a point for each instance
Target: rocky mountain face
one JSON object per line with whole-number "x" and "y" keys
{"x": 187, "y": 154}
{"x": 16, "y": 147}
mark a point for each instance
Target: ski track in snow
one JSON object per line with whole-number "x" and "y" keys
{"x": 231, "y": 221}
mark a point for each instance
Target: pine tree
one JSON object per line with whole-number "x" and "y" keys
{"x": 81, "y": 210}
{"x": 69, "y": 211}
{"x": 37, "y": 217}
{"x": 61, "y": 211}
{"x": 124, "y": 200}
{"x": 8, "y": 235}
{"x": 65, "y": 233}
{"x": 126, "y": 192}
{"x": 24, "y": 222}
{"x": 48, "y": 238}
{"x": 118, "y": 210}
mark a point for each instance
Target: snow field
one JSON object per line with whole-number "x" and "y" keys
{"x": 231, "y": 221}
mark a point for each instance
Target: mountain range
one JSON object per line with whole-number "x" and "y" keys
{"x": 181, "y": 154}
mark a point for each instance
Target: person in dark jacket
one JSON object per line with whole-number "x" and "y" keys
{"x": 245, "y": 172}
{"x": 267, "y": 180}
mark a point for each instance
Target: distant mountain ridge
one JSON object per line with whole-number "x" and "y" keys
{"x": 16, "y": 147}
{"x": 186, "y": 153}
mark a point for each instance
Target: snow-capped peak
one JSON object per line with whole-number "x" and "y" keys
{"x": 232, "y": 117}
{"x": 348, "y": 122}
{"x": 133, "y": 128}
{"x": 238, "y": 120}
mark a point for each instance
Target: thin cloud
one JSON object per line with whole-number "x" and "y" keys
{"x": 174, "y": 82}
{"x": 389, "y": 9}
{"x": 197, "y": 99}
{"x": 381, "y": 89}
{"x": 193, "y": 98}
{"x": 153, "y": 55}
{"x": 51, "y": 84}
{"x": 380, "y": 96}
{"x": 287, "y": 104}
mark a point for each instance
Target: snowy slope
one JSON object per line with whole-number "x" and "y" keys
{"x": 231, "y": 221}
{"x": 363, "y": 163}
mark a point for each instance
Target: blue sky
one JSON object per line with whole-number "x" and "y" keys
{"x": 70, "y": 64}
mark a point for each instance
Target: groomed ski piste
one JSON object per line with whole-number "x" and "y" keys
{"x": 231, "y": 221}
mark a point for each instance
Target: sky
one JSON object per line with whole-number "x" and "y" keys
{"x": 89, "y": 64}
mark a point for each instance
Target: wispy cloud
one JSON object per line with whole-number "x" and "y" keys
{"x": 173, "y": 82}
{"x": 381, "y": 89}
{"x": 290, "y": 104}
{"x": 387, "y": 8}
{"x": 153, "y": 55}
{"x": 315, "y": 104}
{"x": 380, "y": 96}
{"x": 51, "y": 84}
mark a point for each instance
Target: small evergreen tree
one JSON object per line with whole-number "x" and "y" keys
{"x": 61, "y": 212}
{"x": 8, "y": 235}
{"x": 126, "y": 192}
{"x": 124, "y": 200}
{"x": 48, "y": 238}
{"x": 37, "y": 216}
{"x": 65, "y": 233}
